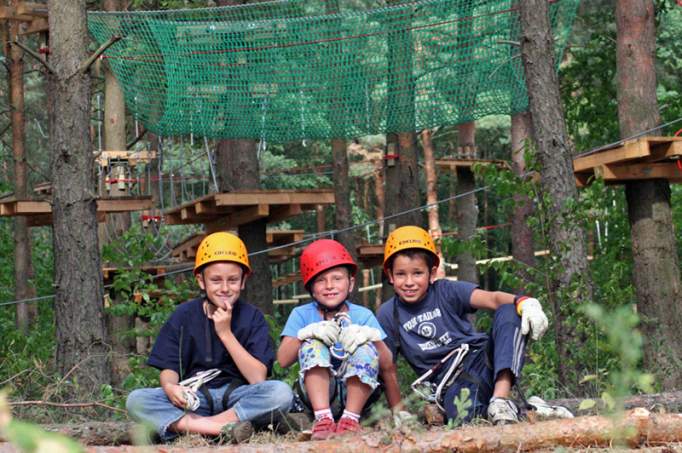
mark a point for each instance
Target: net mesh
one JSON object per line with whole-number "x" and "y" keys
{"x": 301, "y": 69}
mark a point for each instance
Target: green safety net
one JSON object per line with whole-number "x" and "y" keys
{"x": 301, "y": 69}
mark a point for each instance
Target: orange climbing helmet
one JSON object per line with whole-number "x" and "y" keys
{"x": 322, "y": 255}
{"x": 221, "y": 246}
{"x": 409, "y": 237}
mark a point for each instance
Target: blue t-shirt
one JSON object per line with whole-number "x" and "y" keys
{"x": 433, "y": 327}
{"x": 308, "y": 314}
{"x": 188, "y": 342}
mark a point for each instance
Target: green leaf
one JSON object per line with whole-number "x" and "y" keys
{"x": 587, "y": 404}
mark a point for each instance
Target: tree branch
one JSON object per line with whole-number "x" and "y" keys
{"x": 87, "y": 63}
{"x": 34, "y": 54}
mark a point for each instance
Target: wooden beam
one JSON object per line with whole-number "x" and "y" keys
{"x": 240, "y": 217}
{"x": 625, "y": 172}
{"x": 35, "y": 26}
{"x": 32, "y": 9}
{"x": 124, "y": 204}
{"x": 280, "y": 213}
{"x": 630, "y": 150}
{"x": 667, "y": 150}
{"x": 272, "y": 197}
{"x": 10, "y": 13}
{"x": 205, "y": 207}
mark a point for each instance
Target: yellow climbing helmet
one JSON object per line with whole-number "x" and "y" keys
{"x": 409, "y": 237}
{"x": 221, "y": 246}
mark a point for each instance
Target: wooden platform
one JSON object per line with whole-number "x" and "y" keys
{"x": 32, "y": 15}
{"x": 453, "y": 163}
{"x": 371, "y": 255}
{"x": 39, "y": 212}
{"x": 225, "y": 211}
{"x": 644, "y": 158}
{"x": 187, "y": 249}
{"x": 132, "y": 158}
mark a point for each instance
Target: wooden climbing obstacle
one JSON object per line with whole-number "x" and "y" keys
{"x": 228, "y": 210}
{"x": 370, "y": 255}
{"x": 649, "y": 157}
{"x": 39, "y": 212}
{"x": 32, "y": 16}
{"x": 187, "y": 249}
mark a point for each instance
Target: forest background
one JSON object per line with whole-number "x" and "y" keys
{"x": 606, "y": 344}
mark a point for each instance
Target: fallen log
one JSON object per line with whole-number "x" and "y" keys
{"x": 656, "y": 402}
{"x": 636, "y": 428}
{"x": 95, "y": 433}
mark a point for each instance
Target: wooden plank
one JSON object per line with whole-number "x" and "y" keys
{"x": 35, "y": 26}
{"x": 660, "y": 170}
{"x": 124, "y": 204}
{"x": 240, "y": 217}
{"x": 10, "y": 13}
{"x": 205, "y": 207}
{"x": 31, "y": 207}
{"x": 667, "y": 150}
{"x": 630, "y": 150}
{"x": 32, "y": 9}
{"x": 273, "y": 197}
{"x": 284, "y": 212}
{"x": 185, "y": 213}
{"x": 452, "y": 163}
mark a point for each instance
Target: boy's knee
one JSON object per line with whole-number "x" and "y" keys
{"x": 507, "y": 313}
{"x": 367, "y": 351}
{"x": 135, "y": 401}
{"x": 281, "y": 395}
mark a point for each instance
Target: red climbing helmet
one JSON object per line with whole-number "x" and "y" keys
{"x": 322, "y": 255}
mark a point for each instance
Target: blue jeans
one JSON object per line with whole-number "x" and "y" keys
{"x": 250, "y": 402}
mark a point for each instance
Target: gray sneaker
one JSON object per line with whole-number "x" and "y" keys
{"x": 235, "y": 433}
{"x": 502, "y": 411}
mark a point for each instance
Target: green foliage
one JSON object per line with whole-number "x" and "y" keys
{"x": 463, "y": 404}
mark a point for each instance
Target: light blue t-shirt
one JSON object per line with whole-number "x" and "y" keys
{"x": 308, "y": 314}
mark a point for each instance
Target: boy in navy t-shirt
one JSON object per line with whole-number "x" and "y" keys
{"x": 426, "y": 321}
{"x": 222, "y": 347}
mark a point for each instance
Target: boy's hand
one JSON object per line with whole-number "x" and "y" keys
{"x": 355, "y": 335}
{"x": 533, "y": 319}
{"x": 222, "y": 319}
{"x": 176, "y": 394}
{"x": 325, "y": 331}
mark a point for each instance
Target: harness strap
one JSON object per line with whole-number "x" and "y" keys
{"x": 231, "y": 387}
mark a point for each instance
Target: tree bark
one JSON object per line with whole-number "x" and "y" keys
{"x": 656, "y": 272}
{"x": 466, "y": 207}
{"x": 116, "y": 224}
{"x": 637, "y": 428}
{"x": 432, "y": 196}
{"x": 23, "y": 267}
{"x": 343, "y": 213}
{"x": 523, "y": 249}
{"x": 79, "y": 312}
{"x": 568, "y": 278}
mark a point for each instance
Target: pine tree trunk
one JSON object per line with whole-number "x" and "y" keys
{"x": 521, "y": 234}
{"x": 116, "y": 224}
{"x": 569, "y": 281}
{"x": 23, "y": 268}
{"x": 432, "y": 196}
{"x": 656, "y": 272}
{"x": 79, "y": 311}
{"x": 343, "y": 213}
{"x": 466, "y": 207}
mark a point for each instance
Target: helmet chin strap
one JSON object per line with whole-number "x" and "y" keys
{"x": 327, "y": 310}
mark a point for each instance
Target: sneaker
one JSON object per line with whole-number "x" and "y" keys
{"x": 545, "y": 410}
{"x": 323, "y": 429}
{"x": 502, "y": 411}
{"x": 348, "y": 425}
{"x": 236, "y": 432}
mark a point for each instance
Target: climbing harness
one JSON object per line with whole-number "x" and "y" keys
{"x": 433, "y": 391}
{"x": 193, "y": 384}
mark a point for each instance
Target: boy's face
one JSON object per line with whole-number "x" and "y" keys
{"x": 223, "y": 282}
{"x": 411, "y": 277}
{"x": 332, "y": 286}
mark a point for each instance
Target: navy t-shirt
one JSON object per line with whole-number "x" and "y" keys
{"x": 188, "y": 342}
{"x": 433, "y": 327}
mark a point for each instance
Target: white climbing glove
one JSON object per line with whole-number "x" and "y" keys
{"x": 355, "y": 335}
{"x": 533, "y": 319}
{"x": 325, "y": 331}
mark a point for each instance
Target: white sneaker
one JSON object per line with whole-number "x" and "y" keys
{"x": 544, "y": 410}
{"x": 502, "y": 411}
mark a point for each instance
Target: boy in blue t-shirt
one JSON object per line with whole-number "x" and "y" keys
{"x": 222, "y": 344}
{"x": 426, "y": 321}
{"x": 338, "y": 344}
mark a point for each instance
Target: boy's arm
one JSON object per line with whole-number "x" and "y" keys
{"x": 389, "y": 375}
{"x": 490, "y": 300}
{"x": 169, "y": 383}
{"x": 288, "y": 351}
